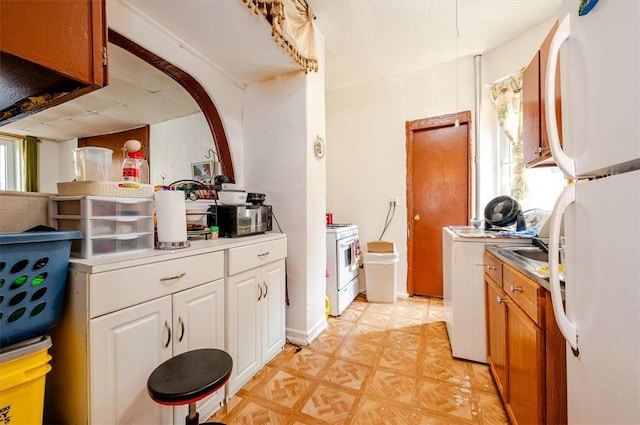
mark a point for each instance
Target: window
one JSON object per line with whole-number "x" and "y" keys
{"x": 544, "y": 183}
{"x": 10, "y": 163}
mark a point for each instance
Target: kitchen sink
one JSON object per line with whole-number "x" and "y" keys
{"x": 532, "y": 253}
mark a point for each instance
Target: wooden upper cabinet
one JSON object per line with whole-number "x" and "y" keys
{"x": 535, "y": 139}
{"x": 531, "y": 111}
{"x": 52, "y": 50}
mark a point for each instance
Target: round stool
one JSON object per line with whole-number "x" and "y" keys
{"x": 189, "y": 377}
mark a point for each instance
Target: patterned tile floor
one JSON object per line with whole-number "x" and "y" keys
{"x": 376, "y": 364}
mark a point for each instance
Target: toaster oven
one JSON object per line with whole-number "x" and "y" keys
{"x": 243, "y": 220}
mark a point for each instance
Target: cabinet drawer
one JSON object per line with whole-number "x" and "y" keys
{"x": 493, "y": 267}
{"x": 255, "y": 255}
{"x": 527, "y": 295}
{"x": 122, "y": 288}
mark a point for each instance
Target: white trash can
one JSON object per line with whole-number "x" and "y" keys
{"x": 381, "y": 271}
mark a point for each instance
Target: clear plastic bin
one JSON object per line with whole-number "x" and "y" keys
{"x": 380, "y": 271}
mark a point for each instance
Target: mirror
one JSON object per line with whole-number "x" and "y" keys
{"x": 138, "y": 94}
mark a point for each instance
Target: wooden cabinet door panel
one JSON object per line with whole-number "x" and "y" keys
{"x": 496, "y": 334}
{"x": 531, "y": 110}
{"x": 525, "y": 367}
{"x": 544, "y": 56}
{"x": 65, "y": 36}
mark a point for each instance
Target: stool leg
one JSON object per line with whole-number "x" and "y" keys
{"x": 193, "y": 418}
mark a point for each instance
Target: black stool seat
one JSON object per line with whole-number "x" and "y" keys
{"x": 189, "y": 377}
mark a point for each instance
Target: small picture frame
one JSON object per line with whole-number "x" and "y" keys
{"x": 202, "y": 171}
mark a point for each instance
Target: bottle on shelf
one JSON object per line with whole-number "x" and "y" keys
{"x": 135, "y": 168}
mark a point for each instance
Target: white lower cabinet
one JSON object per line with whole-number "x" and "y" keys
{"x": 169, "y": 326}
{"x": 255, "y": 313}
{"x": 101, "y": 362}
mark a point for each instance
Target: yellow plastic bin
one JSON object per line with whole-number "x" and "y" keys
{"x": 23, "y": 367}
{"x": 380, "y": 271}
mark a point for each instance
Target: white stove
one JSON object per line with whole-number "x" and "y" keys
{"x": 343, "y": 252}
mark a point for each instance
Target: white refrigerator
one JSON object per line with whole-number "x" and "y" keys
{"x": 600, "y": 85}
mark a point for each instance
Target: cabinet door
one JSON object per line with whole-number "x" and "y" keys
{"x": 243, "y": 336}
{"x": 67, "y": 36}
{"x": 531, "y": 110}
{"x": 273, "y": 309}
{"x": 544, "y": 56}
{"x": 525, "y": 368}
{"x": 125, "y": 347}
{"x": 198, "y": 322}
{"x": 496, "y": 335}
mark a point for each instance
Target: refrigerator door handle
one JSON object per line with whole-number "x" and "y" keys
{"x": 567, "y": 328}
{"x": 564, "y": 162}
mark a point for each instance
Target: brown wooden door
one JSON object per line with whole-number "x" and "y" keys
{"x": 115, "y": 142}
{"x": 438, "y": 194}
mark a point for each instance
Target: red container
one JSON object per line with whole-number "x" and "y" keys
{"x": 329, "y": 218}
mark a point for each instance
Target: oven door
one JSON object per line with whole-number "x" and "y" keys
{"x": 347, "y": 264}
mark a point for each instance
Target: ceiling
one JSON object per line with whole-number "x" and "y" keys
{"x": 370, "y": 40}
{"x": 365, "y": 40}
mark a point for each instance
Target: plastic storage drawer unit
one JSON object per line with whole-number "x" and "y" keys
{"x": 33, "y": 275}
{"x": 110, "y": 225}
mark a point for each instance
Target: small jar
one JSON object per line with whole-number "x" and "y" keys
{"x": 135, "y": 168}
{"x": 214, "y": 232}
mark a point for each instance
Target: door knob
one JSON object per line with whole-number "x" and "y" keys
{"x": 416, "y": 217}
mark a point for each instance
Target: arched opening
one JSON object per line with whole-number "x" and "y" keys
{"x": 193, "y": 87}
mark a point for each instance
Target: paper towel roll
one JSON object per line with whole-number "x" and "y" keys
{"x": 171, "y": 216}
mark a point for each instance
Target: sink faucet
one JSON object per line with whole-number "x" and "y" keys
{"x": 540, "y": 244}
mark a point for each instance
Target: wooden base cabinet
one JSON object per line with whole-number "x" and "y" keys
{"x": 119, "y": 325}
{"x": 255, "y": 315}
{"x": 496, "y": 332}
{"x": 526, "y": 355}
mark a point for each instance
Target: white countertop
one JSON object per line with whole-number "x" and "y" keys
{"x": 118, "y": 261}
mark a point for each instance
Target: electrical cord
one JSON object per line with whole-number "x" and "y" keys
{"x": 387, "y": 220}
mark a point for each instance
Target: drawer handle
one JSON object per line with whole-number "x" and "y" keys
{"x": 181, "y": 329}
{"x": 260, "y": 296}
{"x": 513, "y": 288}
{"x": 263, "y": 254}
{"x": 488, "y": 266}
{"x": 266, "y": 289}
{"x": 501, "y": 300}
{"x": 178, "y": 276}
{"x": 166, "y": 325}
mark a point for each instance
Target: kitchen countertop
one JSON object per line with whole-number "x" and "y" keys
{"x": 118, "y": 261}
{"x": 528, "y": 268}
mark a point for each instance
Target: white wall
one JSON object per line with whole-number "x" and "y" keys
{"x": 282, "y": 118}
{"x": 366, "y": 153}
{"x": 48, "y": 166}
{"x": 176, "y": 144}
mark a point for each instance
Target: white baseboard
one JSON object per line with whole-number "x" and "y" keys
{"x": 305, "y": 338}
